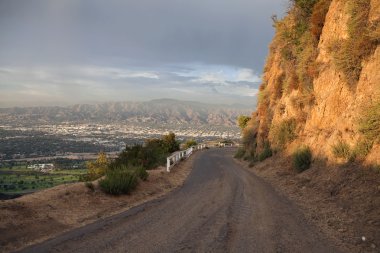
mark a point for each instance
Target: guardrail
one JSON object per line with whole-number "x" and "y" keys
{"x": 226, "y": 145}
{"x": 176, "y": 157}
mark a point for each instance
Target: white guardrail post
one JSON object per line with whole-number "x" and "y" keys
{"x": 176, "y": 157}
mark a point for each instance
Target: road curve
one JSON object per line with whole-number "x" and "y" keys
{"x": 221, "y": 208}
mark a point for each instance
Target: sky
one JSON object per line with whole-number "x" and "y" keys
{"x": 62, "y": 52}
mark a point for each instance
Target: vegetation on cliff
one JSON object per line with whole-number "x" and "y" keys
{"x": 287, "y": 94}
{"x": 362, "y": 40}
{"x": 370, "y": 123}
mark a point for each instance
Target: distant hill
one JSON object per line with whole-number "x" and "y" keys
{"x": 161, "y": 111}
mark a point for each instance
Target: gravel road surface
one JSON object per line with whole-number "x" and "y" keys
{"x": 221, "y": 208}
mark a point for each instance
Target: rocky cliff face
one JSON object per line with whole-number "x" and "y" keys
{"x": 321, "y": 79}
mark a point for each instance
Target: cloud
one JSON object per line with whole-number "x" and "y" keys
{"x": 247, "y": 75}
{"x": 49, "y": 84}
{"x": 80, "y": 51}
{"x": 241, "y": 82}
{"x": 211, "y": 78}
{"x": 116, "y": 73}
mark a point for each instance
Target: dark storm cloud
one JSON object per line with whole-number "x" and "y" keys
{"x": 149, "y": 43}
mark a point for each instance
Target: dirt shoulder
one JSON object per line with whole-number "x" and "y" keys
{"x": 45, "y": 214}
{"x": 343, "y": 200}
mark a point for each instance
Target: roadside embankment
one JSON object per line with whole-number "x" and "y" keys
{"x": 45, "y": 214}
{"x": 343, "y": 201}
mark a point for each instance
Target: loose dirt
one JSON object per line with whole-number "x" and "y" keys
{"x": 45, "y": 214}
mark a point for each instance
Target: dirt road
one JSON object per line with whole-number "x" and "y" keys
{"x": 220, "y": 208}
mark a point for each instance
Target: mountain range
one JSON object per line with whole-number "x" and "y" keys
{"x": 160, "y": 111}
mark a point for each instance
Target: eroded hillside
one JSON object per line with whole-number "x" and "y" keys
{"x": 321, "y": 83}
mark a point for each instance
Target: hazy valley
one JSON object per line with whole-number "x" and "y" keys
{"x": 55, "y": 131}
{"x": 160, "y": 112}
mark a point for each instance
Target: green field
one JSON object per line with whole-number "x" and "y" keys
{"x": 19, "y": 179}
{"x": 15, "y": 168}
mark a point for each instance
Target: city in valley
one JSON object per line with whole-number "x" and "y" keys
{"x": 41, "y": 147}
{"x": 69, "y": 140}
{"x": 42, "y": 156}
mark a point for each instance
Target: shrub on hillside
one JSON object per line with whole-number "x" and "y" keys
{"x": 298, "y": 48}
{"x": 278, "y": 86}
{"x": 302, "y": 159}
{"x": 307, "y": 68}
{"x": 350, "y": 53}
{"x": 119, "y": 182}
{"x": 266, "y": 153}
{"x": 122, "y": 179}
{"x": 240, "y": 153}
{"x": 369, "y": 125}
{"x": 170, "y": 143}
{"x": 190, "y": 143}
{"x": 305, "y": 5}
{"x": 141, "y": 173}
{"x": 242, "y": 121}
{"x": 249, "y": 137}
{"x": 149, "y": 156}
{"x": 283, "y": 133}
{"x": 362, "y": 149}
{"x": 342, "y": 150}
{"x": 96, "y": 169}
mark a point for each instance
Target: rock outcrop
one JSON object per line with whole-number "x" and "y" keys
{"x": 306, "y": 78}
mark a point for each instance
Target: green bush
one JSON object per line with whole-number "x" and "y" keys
{"x": 190, "y": 143}
{"x": 150, "y": 155}
{"x": 342, "y": 150}
{"x": 119, "y": 182}
{"x": 122, "y": 179}
{"x": 305, "y": 5}
{"x": 302, "y": 158}
{"x": 242, "y": 121}
{"x": 369, "y": 125}
{"x": 141, "y": 173}
{"x": 267, "y": 152}
{"x": 240, "y": 153}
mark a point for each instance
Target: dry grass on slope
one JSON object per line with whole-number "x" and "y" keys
{"x": 36, "y": 217}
